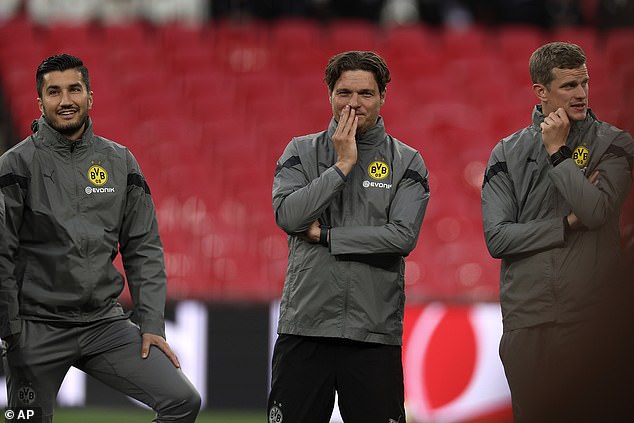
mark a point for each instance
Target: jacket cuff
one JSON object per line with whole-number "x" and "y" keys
{"x": 344, "y": 177}
{"x": 153, "y": 327}
{"x": 14, "y": 327}
{"x": 567, "y": 228}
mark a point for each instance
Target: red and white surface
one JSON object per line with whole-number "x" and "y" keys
{"x": 452, "y": 370}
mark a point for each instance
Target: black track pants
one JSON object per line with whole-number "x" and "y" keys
{"x": 307, "y": 371}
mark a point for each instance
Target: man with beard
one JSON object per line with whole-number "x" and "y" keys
{"x": 72, "y": 202}
{"x": 551, "y": 202}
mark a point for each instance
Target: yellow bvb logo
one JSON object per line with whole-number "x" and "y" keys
{"x": 581, "y": 155}
{"x": 97, "y": 175}
{"x": 378, "y": 170}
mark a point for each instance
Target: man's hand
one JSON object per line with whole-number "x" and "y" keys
{"x": 573, "y": 221}
{"x": 312, "y": 233}
{"x": 345, "y": 141}
{"x": 594, "y": 178}
{"x": 555, "y": 129}
{"x": 150, "y": 339}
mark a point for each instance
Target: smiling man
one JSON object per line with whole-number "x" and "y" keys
{"x": 351, "y": 199}
{"x": 551, "y": 202}
{"x": 64, "y": 100}
{"x": 71, "y": 202}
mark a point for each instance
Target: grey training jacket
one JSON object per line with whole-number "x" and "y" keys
{"x": 354, "y": 288}
{"x": 69, "y": 208}
{"x": 546, "y": 274}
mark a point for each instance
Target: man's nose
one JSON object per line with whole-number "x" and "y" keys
{"x": 65, "y": 98}
{"x": 354, "y": 101}
{"x": 581, "y": 91}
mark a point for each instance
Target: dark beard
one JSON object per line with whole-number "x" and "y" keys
{"x": 69, "y": 129}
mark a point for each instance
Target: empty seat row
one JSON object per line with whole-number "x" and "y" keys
{"x": 208, "y": 111}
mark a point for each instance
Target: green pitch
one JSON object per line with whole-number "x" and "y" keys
{"x": 132, "y": 415}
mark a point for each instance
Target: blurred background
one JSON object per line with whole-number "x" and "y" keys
{"x": 207, "y": 94}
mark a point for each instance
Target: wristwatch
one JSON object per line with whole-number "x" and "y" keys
{"x": 323, "y": 235}
{"x": 560, "y": 155}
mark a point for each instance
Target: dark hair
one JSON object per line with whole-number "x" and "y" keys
{"x": 357, "y": 60}
{"x": 554, "y": 55}
{"x": 60, "y": 62}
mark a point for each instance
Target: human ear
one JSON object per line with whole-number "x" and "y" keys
{"x": 541, "y": 92}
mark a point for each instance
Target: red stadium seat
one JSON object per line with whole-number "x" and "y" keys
{"x": 177, "y": 36}
{"x": 143, "y": 90}
{"x": 409, "y": 39}
{"x": 208, "y": 111}
{"x": 517, "y": 42}
{"x": 17, "y": 35}
{"x": 125, "y": 35}
{"x": 62, "y": 36}
{"x": 193, "y": 58}
{"x": 296, "y": 61}
{"x": 295, "y": 33}
{"x": 350, "y": 34}
{"x": 467, "y": 43}
{"x": 619, "y": 45}
{"x": 585, "y": 37}
{"x": 143, "y": 58}
{"x": 241, "y": 47}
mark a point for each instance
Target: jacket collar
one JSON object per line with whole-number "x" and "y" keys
{"x": 370, "y": 138}
{"x": 575, "y": 128}
{"x": 57, "y": 140}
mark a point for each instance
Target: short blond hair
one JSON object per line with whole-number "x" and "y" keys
{"x": 554, "y": 55}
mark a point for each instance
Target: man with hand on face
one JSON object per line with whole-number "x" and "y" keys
{"x": 551, "y": 202}
{"x": 72, "y": 202}
{"x": 352, "y": 200}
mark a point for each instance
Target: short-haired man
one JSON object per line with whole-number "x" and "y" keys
{"x": 351, "y": 199}
{"x": 72, "y": 202}
{"x": 551, "y": 203}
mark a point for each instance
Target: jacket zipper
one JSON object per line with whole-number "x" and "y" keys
{"x": 83, "y": 246}
{"x": 347, "y": 214}
{"x": 72, "y": 165}
{"x": 345, "y": 300}
{"x": 554, "y": 259}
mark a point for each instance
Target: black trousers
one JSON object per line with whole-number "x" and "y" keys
{"x": 307, "y": 371}
{"x": 569, "y": 372}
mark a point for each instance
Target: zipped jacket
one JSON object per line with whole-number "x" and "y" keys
{"x": 549, "y": 274}
{"x": 69, "y": 209}
{"x": 354, "y": 287}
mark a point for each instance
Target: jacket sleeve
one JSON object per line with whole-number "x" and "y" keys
{"x": 503, "y": 234}
{"x": 297, "y": 200}
{"x": 594, "y": 204}
{"x": 13, "y": 186}
{"x": 400, "y": 234}
{"x": 142, "y": 253}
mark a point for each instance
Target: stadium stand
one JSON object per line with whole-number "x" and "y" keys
{"x": 208, "y": 109}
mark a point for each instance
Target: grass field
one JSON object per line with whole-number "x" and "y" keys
{"x": 131, "y": 415}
